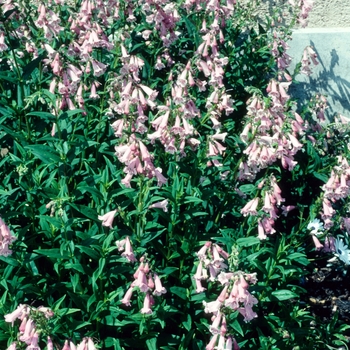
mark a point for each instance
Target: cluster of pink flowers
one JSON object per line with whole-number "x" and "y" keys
{"x": 270, "y": 133}
{"x": 88, "y": 28}
{"x": 309, "y": 56}
{"x": 279, "y": 52}
{"x": 6, "y": 238}
{"x": 124, "y": 246}
{"x": 135, "y": 98}
{"x": 305, "y": 7}
{"x": 272, "y": 199}
{"x": 148, "y": 283}
{"x": 137, "y": 160}
{"x": 49, "y": 21}
{"x": 272, "y": 129}
{"x": 211, "y": 63}
{"x": 320, "y": 108}
{"x": 29, "y": 330}
{"x": 172, "y": 123}
{"x": 234, "y": 295}
{"x": 14, "y": 13}
{"x": 163, "y": 16}
{"x": 337, "y": 187}
{"x": 86, "y": 344}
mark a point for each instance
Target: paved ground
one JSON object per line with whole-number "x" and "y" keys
{"x": 332, "y": 76}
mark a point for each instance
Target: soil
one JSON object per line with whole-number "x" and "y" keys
{"x": 328, "y": 290}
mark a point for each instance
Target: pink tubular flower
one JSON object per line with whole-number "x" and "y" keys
{"x": 199, "y": 287}
{"x": 161, "y": 180}
{"x": 161, "y": 205}
{"x": 247, "y": 312}
{"x": 261, "y": 230}
{"x": 318, "y": 244}
{"x": 72, "y": 346}
{"x": 287, "y": 209}
{"x": 235, "y": 345}
{"x": 91, "y": 345}
{"x": 49, "y": 344}
{"x": 222, "y": 295}
{"x": 146, "y": 309}
{"x": 199, "y": 273}
{"x": 211, "y": 344}
{"x": 82, "y": 345}
{"x": 250, "y": 207}
{"x": 98, "y": 67}
{"x": 215, "y": 326}
{"x": 141, "y": 281}
{"x": 19, "y": 313}
{"x": 13, "y": 346}
{"x": 86, "y": 344}
{"x": 212, "y": 307}
{"x": 3, "y": 46}
{"x": 28, "y": 332}
{"x": 107, "y": 219}
{"x": 6, "y": 238}
{"x": 150, "y": 282}
{"x": 221, "y": 342}
{"x": 158, "y": 284}
{"x": 329, "y": 244}
{"x": 127, "y": 297}
{"x": 66, "y": 346}
{"x": 202, "y": 252}
{"x": 22, "y": 326}
{"x": 128, "y": 253}
{"x": 120, "y": 244}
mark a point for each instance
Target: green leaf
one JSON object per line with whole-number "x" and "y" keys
{"x": 188, "y": 323}
{"x": 191, "y": 199}
{"x": 86, "y": 211}
{"x": 45, "y": 153}
{"x": 169, "y": 270}
{"x": 58, "y": 303}
{"x": 43, "y": 115}
{"x": 109, "y": 342}
{"x": 322, "y": 177}
{"x": 89, "y": 251}
{"x": 11, "y": 132}
{"x": 180, "y": 292}
{"x": 67, "y": 311}
{"x": 52, "y": 253}
{"x": 29, "y": 68}
{"x": 91, "y": 190}
{"x": 151, "y": 344}
{"x": 80, "y": 324}
{"x": 283, "y": 294}
{"x": 248, "y": 241}
{"x": 237, "y": 327}
{"x": 8, "y": 193}
{"x": 248, "y": 189}
{"x": 150, "y": 236}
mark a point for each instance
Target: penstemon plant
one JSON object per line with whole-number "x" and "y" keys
{"x": 159, "y": 187}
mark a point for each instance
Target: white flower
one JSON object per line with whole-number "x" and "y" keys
{"x": 342, "y": 251}
{"x": 161, "y": 205}
{"x": 316, "y": 227}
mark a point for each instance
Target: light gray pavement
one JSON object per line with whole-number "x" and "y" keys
{"x": 331, "y": 76}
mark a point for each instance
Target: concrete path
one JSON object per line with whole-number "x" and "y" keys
{"x": 332, "y": 76}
